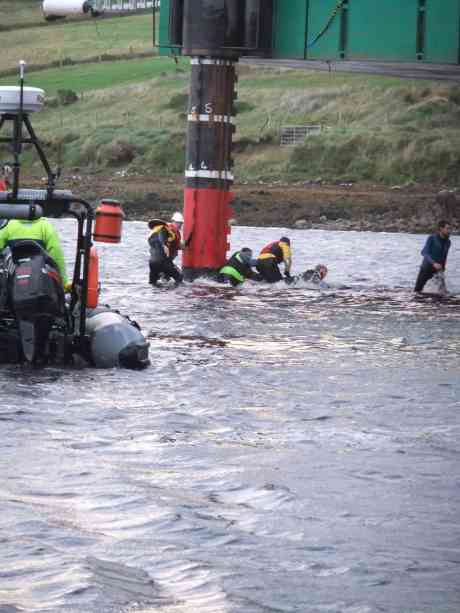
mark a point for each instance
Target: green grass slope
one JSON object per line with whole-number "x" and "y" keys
{"x": 132, "y": 114}
{"x": 373, "y": 128}
{"x": 97, "y": 76}
{"x": 17, "y": 12}
{"x": 75, "y": 40}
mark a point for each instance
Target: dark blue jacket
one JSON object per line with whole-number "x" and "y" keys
{"x": 435, "y": 250}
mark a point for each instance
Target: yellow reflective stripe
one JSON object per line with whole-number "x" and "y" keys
{"x": 41, "y": 230}
{"x": 286, "y": 251}
{"x": 232, "y": 272}
{"x": 266, "y": 256}
{"x": 157, "y": 230}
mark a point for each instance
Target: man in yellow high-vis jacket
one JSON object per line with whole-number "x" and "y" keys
{"x": 42, "y": 232}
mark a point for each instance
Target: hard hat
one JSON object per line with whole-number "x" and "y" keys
{"x": 178, "y": 217}
{"x": 284, "y": 239}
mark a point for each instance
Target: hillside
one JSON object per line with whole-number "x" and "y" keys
{"x": 128, "y": 117}
{"x": 19, "y": 12}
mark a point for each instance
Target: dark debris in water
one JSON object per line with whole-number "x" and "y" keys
{"x": 123, "y": 584}
{"x": 199, "y": 341}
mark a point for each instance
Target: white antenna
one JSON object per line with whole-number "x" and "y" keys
{"x": 22, "y": 66}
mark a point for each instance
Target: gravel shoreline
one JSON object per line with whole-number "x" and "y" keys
{"x": 343, "y": 206}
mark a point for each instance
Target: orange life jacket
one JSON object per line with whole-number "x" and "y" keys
{"x": 174, "y": 240}
{"x": 275, "y": 250}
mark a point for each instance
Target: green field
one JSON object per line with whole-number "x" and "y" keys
{"x": 100, "y": 75}
{"x": 20, "y": 12}
{"x": 76, "y": 40}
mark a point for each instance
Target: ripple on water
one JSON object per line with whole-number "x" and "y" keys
{"x": 288, "y": 450}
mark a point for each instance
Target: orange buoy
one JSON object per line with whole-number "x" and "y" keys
{"x": 109, "y": 219}
{"x": 92, "y": 295}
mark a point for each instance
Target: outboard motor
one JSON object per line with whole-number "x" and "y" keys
{"x": 10, "y": 351}
{"x": 37, "y": 301}
{"x": 3, "y": 283}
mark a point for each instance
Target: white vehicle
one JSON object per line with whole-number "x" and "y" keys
{"x": 58, "y": 9}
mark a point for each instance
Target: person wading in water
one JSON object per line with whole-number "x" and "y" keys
{"x": 434, "y": 254}
{"x": 165, "y": 240}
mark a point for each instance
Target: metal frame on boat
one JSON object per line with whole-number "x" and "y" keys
{"x": 123, "y": 343}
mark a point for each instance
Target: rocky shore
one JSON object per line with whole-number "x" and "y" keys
{"x": 311, "y": 204}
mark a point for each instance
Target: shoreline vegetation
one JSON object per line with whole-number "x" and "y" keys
{"x": 382, "y": 151}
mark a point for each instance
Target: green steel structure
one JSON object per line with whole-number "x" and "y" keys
{"x": 442, "y": 34}
{"x": 163, "y": 37}
{"x": 393, "y": 30}
{"x": 397, "y": 30}
{"x": 289, "y": 28}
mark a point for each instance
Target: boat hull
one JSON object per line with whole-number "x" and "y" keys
{"x": 115, "y": 340}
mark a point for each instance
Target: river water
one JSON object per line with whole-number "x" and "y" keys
{"x": 288, "y": 450}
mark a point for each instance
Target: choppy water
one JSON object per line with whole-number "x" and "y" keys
{"x": 287, "y": 451}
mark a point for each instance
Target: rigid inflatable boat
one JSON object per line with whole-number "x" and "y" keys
{"x": 39, "y": 323}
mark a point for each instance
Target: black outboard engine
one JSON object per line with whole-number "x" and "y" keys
{"x": 10, "y": 351}
{"x": 3, "y": 283}
{"x": 36, "y": 299}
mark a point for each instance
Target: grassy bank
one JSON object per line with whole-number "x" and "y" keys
{"x": 75, "y": 40}
{"x": 131, "y": 114}
{"x": 20, "y": 12}
{"x": 98, "y": 76}
{"x": 373, "y": 128}
{"x": 131, "y": 121}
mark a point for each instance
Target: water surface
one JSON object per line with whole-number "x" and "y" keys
{"x": 289, "y": 450}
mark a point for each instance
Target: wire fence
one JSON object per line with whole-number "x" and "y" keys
{"x": 125, "y": 5}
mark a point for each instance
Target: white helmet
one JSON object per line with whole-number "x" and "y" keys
{"x": 177, "y": 217}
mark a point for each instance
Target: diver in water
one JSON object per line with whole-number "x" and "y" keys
{"x": 270, "y": 258}
{"x": 238, "y": 268}
{"x": 316, "y": 275}
{"x": 165, "y": 240}
{"x": 42, "y": 232}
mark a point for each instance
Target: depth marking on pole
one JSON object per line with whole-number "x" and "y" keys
{"x": 211, "y": 118}
{"x": 210, "y": 174}
{"x": 196, "y": 61}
